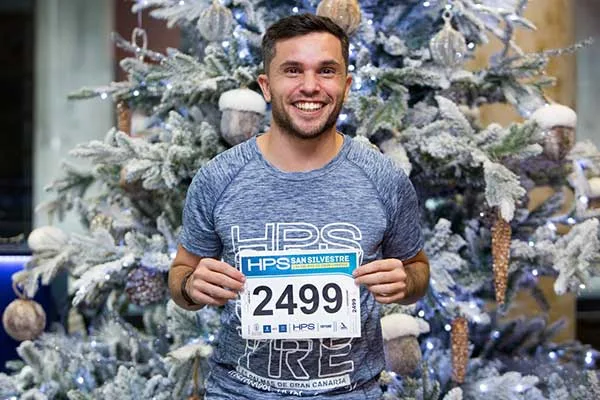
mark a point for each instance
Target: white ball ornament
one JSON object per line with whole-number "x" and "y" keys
{"x": 243, "y": 111}
{"x": 558, "y": 123}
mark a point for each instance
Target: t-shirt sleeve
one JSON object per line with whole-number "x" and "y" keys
{"x": 403, "y": 238}
{"x": 198, "y": 235}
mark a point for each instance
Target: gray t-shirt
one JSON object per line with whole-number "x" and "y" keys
{"x": 359, "y": 200}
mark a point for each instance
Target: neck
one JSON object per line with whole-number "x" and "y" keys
{"x": 292, "y": 154}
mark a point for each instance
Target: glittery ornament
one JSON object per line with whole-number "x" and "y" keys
{"x": 101, "y": 221}
{"x": 23, "y": 318}
{"x": 216, "y": 22}
{"x": 448, "y": 46}
{"x": 243, "y": 112}
{"x": 145, "y": 286}
{"x": 345, "y": 13}
{"x": 460, "y": 349}
{"x": 402, "y": 354}
{"x": 501, "y": 238}
{"x": 124, "y": 117}
{"x": 558, "y": 125}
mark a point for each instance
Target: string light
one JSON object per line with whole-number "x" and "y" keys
{"x": 295, "y": 10}
{"x": 483, "y": 387}
{"x": 496, "y": 334}
{"x": 551, "y": 226}
{"x": 429, "y": 345}
{"x": 136, "y": 93}
{"x": 107, "y": 277}
{"x": 519, "y": 388}
{"x": 584, "y": 200}
{"x": 351, "y": 68}
{"x": 571, "y": 221}
{"x": 582, "y": 286}
{"x": 471, "y": 45}
{"x": 535, "y": 272}
{"x": 447, "y": 327}
{"x": 421, "y": 313}
{"x": 225, "y": 44}
{"x": 343, "y": 117}
{"x": 181, "y": 2}
{"x": 426, "y": 4}
{"x": 531, "y": 243}
{"x": 103, "y": 96}
{"x": 552, "y": 355}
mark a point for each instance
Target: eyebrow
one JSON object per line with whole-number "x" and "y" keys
{"x": 326, "y": 63}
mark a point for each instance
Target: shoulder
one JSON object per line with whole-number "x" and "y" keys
{"x": 222, "y": 169}
{"x": 383, "y": 173}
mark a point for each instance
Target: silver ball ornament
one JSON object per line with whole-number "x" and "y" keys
{"x": 345, "y": 13}
{"x": 448, "y": 46}
{"x": 216, "y": 22}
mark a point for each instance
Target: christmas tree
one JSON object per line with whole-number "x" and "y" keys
{"x": 411, "y": 99}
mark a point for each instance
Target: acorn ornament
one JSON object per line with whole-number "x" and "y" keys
{"x": 558, "y": 123}
{"x": 243, "y": 111}
{"x": 448, "y": 47}
{"x": 215, "y": 22}
{"x": 501, "y": 238}
{"x": 345, "y": 13}
{"x": 460, "y": 349}
{"x": 23, "y": 319}
{"x": 401, "y": 347}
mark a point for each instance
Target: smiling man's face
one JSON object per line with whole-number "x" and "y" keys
{"x": 306, "y": 83}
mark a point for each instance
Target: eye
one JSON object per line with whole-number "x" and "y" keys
{"x": 292, "y": 70}
{"x": 328, "y": 71}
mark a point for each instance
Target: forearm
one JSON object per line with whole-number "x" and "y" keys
{"x": 177, "y": 274}
{"x": 417, "y": 282}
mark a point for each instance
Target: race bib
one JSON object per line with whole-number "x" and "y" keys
{"x": 300, "y": 294}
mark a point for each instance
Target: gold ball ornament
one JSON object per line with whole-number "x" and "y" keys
{"x": 558, "y": 124}
{"x": 460, "y": 349}
{"x": 345, "y": 13}
{"x": 243, "y": 111}
{"x": 23, "y": 319}
{"x": 215, "y": 22}
{"x": 448, "y": 47}
{"x": 501, "y": 238}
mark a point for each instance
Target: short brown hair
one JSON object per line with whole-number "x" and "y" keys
{"x": 299, "y": 25}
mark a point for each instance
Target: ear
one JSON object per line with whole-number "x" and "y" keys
{"x": 348, "y": 85}
{"x": 263, "y": 82}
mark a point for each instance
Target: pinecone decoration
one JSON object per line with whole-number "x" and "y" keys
{"x": 124, "y": 117}
{"x": 145, "y": 286}
{"x": 501, "y": 237}
{"x": 460, "y": 349}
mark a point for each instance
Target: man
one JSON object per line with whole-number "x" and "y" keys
{"x": 301, "y": 185}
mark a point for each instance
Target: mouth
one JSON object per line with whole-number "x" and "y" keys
{"x": 309, "y": 106}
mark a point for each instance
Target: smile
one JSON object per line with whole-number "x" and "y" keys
{"x": 309, "y": 106}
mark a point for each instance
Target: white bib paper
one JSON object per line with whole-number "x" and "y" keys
{"x": 300, "y": 294}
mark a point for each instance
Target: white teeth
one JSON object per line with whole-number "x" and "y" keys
{"x": 308, "y": 106}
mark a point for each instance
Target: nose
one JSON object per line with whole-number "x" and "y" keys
{"x": 310, "y": 83}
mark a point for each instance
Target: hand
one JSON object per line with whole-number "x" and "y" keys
{"x": 386, "y": 279}
{"x": 214, "y": 282}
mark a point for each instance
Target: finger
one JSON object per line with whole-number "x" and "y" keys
{"x": 377, "y": 278}
{"x": 202, "y": 298}
{"x": 213, "y": 291}
{"x": 377, "y": 266}
{"x": 388, "y": 289}
{"x": 218, "y": 278}
{"x": 224, "y": 268}
{"x": 390, "y": 299}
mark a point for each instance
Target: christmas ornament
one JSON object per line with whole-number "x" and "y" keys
{"x": 101, "y": 221}
{"x": 216, "y": 22}
{"x": 558, "y": 124}
{"x": 123, "y": 117}
{"x": 145, "y": 286}
{"x": 345, "y": 13}
{"x": 23, "y": 319}
{"x": 501, "y": 238}
{"x": 460, "y": 349}
{"x": 243, "y": 111}
{"x": 448, "y": 46}
{"x": 400, "y": 346}
{"x": 47, "y": 238}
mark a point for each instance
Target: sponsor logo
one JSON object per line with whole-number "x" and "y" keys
{"x": 266, "y": 328}
{"x": 282, "y": 328}
{"x": 303, "y": 327}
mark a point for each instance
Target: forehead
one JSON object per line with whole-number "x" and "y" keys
{"x": 311, "y": 48}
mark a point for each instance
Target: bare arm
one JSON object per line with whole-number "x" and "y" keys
{"x": 417, "y": 278}
{"x": 202, "y": 280}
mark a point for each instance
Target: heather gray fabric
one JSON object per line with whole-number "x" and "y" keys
{"x": 359, "y": 200}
